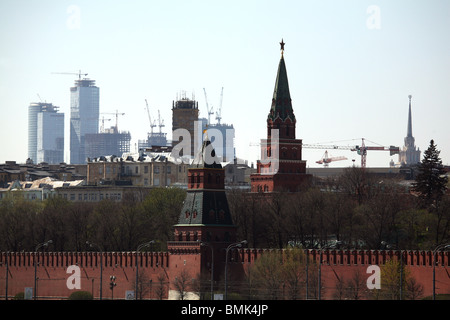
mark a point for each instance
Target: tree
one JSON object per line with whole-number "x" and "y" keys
{"x": 431, "y": 182}
{"x": 182, "y": 283}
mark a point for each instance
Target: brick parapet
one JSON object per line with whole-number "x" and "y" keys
{"x": 85, "y": 259}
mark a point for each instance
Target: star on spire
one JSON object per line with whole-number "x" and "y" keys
{"x": 282, "y": 46}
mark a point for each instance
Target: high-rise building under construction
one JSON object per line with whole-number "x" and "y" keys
{"x": 185, "y": 116}
{"x": 84, "y": 117}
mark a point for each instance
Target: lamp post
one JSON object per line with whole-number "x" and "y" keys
{"x": 101, "y": 266}
{"x": 233, "y": 245}
{"x": 438, "y": 248}
{"x": 6, "y": 277}
{"x": 147, "y": 244}
{"x": 320, "y": 267}
{"x": 212, "y": 265}
{"x": 112, "y": 284}
{"x": 40, "y": 245}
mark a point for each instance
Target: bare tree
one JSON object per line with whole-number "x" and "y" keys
{"x": 182, "y": 283}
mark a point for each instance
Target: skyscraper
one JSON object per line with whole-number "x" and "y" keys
{"x": 409, "y": 155}
{"x": 84, "y": 117}
{"x": 45, "y": 133}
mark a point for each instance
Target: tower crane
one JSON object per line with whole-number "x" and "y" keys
{"x": 219, "y": 113}
{"x": 210, "y": 111}
{"x": 79, "y": 74}
{"x": 325, "y": 160}
{"x": 117, "y": 118}
{"x": 160, "y": 122}
{"x": 360, "y": 149}
{"x": 152, "y": 124}
{"x": 102, "y": 128}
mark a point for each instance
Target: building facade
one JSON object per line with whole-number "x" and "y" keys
{"x": 84, "y": 117}
{"x": 45, "y": 133}
{"x": 145, "y": 169}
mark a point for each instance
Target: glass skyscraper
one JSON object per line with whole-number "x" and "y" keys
{"x": 84, "y": 117}
{"x": 45, "y": 133}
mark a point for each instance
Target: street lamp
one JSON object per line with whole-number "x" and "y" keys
{"x": 101, "y": 266}
{"x": 320, "y": 265}
{"x": 40, "y": 245}
{"x": 438, "y": 248}
{"x": 212, "y": 264}
{"x": 233, "y": 245}
{"x": 112, "y": 284}
{"x": 147, "y": 244}
{"x": 6, "y": 278}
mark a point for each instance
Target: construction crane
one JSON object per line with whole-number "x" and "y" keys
{"x": 117, "y": 118}
{"x": 210, "y": 110}
{"x": 219, "y": 113}
{"x": 361, "y": 150}
{"x": 79, "y": 74}
{"x": 160, "y": 122}
{"x": 102, "y": 128}
{"x": 152, "y": 124}
{"x": 325, "y": 160}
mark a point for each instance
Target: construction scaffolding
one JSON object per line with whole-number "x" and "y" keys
{"x": 107, "y": 143}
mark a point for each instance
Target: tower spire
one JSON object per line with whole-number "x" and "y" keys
{"x": 409, "y": 131}
{"x": 282, "y": 46}
{"x": 281, "y": 99}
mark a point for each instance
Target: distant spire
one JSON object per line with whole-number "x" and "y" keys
{"x": 409, "y": 131}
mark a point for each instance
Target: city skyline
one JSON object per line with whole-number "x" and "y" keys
{"x": 351, "y": 66}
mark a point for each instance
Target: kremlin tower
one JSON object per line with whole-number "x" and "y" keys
{"x": 281, "y": 167}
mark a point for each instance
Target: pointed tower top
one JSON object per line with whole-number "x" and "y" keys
{"x": 409, "y": 130}
{"x": 282, "y": 46}
{"x": 281, "y": 100}
{"x": 206, "y": 157}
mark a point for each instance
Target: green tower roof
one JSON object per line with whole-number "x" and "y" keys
{"x": 281, "y": 100}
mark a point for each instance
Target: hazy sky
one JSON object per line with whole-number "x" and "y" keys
{"x": 351, "y": 66}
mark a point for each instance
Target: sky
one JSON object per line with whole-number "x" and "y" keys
{"x": 351, "y": 66}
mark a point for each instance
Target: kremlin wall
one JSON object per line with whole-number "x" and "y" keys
{"x": 159, "y": 270}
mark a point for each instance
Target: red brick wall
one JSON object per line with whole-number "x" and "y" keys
{"x": 52, "y": 270}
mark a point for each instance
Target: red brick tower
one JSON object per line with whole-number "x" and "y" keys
{"x": 281, "y": 167}
{"x": 205, "y": 216}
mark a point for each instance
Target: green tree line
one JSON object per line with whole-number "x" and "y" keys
{"x": 113, "y": 226}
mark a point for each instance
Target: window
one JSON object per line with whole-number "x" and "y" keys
{"x": 136, "y": 170}
{"x": 145, "y": 169}
{"x": 156, "y": 169}
{"x": 169, "y": 169}
{"x": 156, "y": 181}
